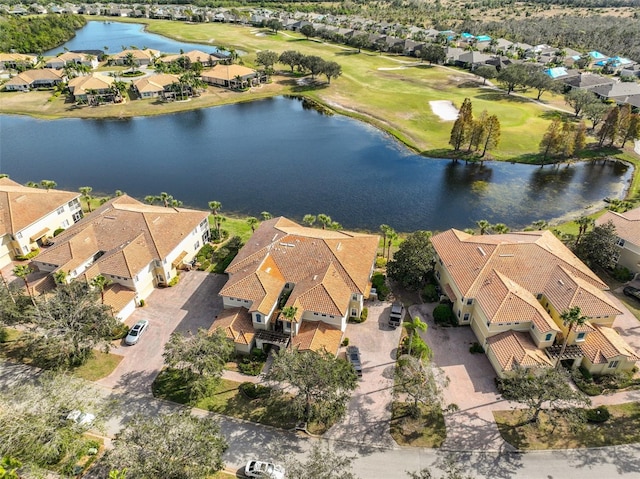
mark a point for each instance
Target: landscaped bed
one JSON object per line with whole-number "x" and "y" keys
{"x": 428, "y": 430}
{"x": 623, "y": 427}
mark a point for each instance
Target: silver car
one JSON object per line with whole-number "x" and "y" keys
{"x": 135, "y": 332}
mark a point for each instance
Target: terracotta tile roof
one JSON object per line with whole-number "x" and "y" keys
{"x": 193, "y": 56}
{"x": 95, "y": 81}
{"x": 146, "y": 54}
{"x": 156, "y": 82}
{"x": 504, "y": 301}
{"x": 604, "y": 344}
{"x": 21, "y": 206}
{"x": 29, "y": 76}
{"x": 227, "y": 72}
{"x": 627, "y": 224}
{"x": 16, "y": 57}
{"x": 237, "y": 325}
{"x": 118, "y": 296}
{"x": 129, "y": 233}
{"x": 513, "y": 349}
{"x": 316, "y": 335}
{"x": 565, "y": 291}
{"x": 340, "y": 261}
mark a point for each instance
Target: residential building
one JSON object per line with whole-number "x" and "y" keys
{"x": 512, "y": 289}
{"x": 31, "y": 79}
{"x": 134, "y": 245}
{"x": 324, "y": 274}
{"x": 94, "y": 88}
{"x": 77, "y": 58}
{"x": 15, "y": 60}
{"x": 628, "y": 232}
{"x": 139, "y": 57}
{"x": 30, "y": 216}
{"x": 154, "y": 85}
{"x": 232, "y": 76}
{"x": 194, "y": 56}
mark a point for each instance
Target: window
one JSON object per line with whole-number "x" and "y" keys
{"x": 354, "y": 297}
{"x": 539, "y": 296}
{"x": 469, "y": 300}
{"x": 65, "y": 224}
{"x": 258, "y": 318}
{"x": 462, "y": 300}
{"x": 354, "y": 312}
{"x": 19, "y": 235}
{"x": 613, "y": 364}
{"x": 324, "y": 315}
{"x": 77, "y": 216}
{"x": 458, "y": 313}
{"x": 548, "y": 337}
{"x": 60, "y": 210}
{"x": 196, "y": 245}
{"x": 620, "y": 242}
{"x": 580, "y": 337}
{"x": 137, "y": 278}
{"x": 466, "y": 317}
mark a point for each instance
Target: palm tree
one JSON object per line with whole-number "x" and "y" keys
{"x": 119, "y": 193}
{"x": 85, "y": 190}
{"x": 385, "y": 229}
{"x": 218, "y": 220}
{"x": 166, "y": 198}
{"x": 540, "y": 224}
{"x": 573, "y": 318}
{"x": 48, "y": 184}
{"x": 391, "y": 236}
{"x": 60, "y": 277}
{"x": 583, "y": 225}
{"x": 309, "y": 220}
{"x": 150, "y": 199}
{"x": 416, "y": 324}
{"x": 22, "y": 271}
{"x": 101, "y": 283}
{"x": 500, "y": 229}
{"x": 32, "y": 184}
{"x": 484, "y": 226}
{"x": 289, "y": 313}
{"x": 325, "y": 220}
{"x": 266, "y": 215}
{"x": 214, "y": 206}
{"x": 130, "y": 61}
{"x": 253, "y": 222}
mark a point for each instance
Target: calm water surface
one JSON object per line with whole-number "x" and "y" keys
{"x": 114, "y": 35}
{"x": 276, "y": 156}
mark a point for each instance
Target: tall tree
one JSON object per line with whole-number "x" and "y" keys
{"x": 583, "y": 222}
{"x": 610, "y": 128}
{"x": 48, "y": 184}
{"x": 478, "y": 131}
{"x": 331, "y": 70}
{"x": 486, "y": 72}
{"x": 23, "y": 271}
{"x": 596, "y": 111}
{"x": 416, "y": 324}
{"x": 461, "y": 127}
{"x": 631, "y": 129}
{"x": 572, "y": 319}
{"x": 420, "y": 381}
{"x": 317, "y": 384}
{"x": 433, "y": 53}
{"x": 580, "y": 99}
{"x": 309, "y": 220}
{"x": 177, "y": 445}
{"x": 551, "y": 141}
{"x": 325, "y": 220}
{"x": 484, "y": 226}
{"x": 359, "y": 41}
{"x": 291, "y": 58}
{"x": 580, "y": 138}
{"x": 539, "y": 388}
{"x": 252, "y": 221}
{"x": 413, "y": 260}
{"x": 513, "y": 76}
{"x": 266, "y": 215}
{"x": 384, "y": 229}
{"x": 307, "y": 30}
{"x": 266, "y": 58}
{"x": 598, "y": 246}
{"x": 322, "y": 462}
{"x": 215, "y": 206}
{"x": 289, "y": 314}
{"x": 85, "y": 191}
{"x": 492, "y": 134}
{"x": 541, "y": 82}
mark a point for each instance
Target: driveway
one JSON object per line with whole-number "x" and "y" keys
{"x": 193, "y": 303}
{"x": 471, "y": 388}
{"x": 369, "y": 412}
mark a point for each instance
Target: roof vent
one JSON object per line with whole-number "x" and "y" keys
{"x": 274, "y": 237}
{"x": 506, "y": 255}
{"x": 560, "y": 282}
{"x": 315, "y": 277}
{"x": 157, "y": 218}
{"x": 481, "y": 251}
{"x": 288, "y": 245}
{"x": 20, "y": 198}
{"x": 339, "y": 246}
{"x": 268, "y": 270}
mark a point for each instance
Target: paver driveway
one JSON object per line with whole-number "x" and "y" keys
{"x": 369, "y": 412}
{"x": 193, "y": 303}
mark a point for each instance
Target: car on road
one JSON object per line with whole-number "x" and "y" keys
{"x": 81, "y": 418}
{"x": 396, "y": 315}
{"x": 631, "y": 291}
{"x": 263, "y": 470}
{"x": 135, "y": 332}
{"x": 353, "y": 354}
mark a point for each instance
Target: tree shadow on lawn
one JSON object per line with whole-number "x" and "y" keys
{"x": 315, "y": 86}
{"x": 500, "y": 96}
{"x": 345, "y": 53}
{"x": 559, "y": 115}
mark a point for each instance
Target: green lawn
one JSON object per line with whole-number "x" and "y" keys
{"x": 622, "y": 428}
{"x": 426, "y": 431}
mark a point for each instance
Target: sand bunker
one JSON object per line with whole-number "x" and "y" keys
{"x": 637, "y": 147}
{"x": 444, "y": 109}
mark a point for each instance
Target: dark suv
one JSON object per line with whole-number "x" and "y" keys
{"x": 631, "y": 291}
{"x": 396, "y": 315}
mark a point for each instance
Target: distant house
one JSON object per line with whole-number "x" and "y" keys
{"x": 587, "y": 81}
{"x": 30, "y": 216}
{"x": 512, "y": 289}
{"x": 32, "y": 79}
{"x": 155, "y": 85}
{"x": 140, "y": 57}
{"x": 65, "y": 58}
{"x": 472, "y": 59}
{"x": 628, "y": 231}
{"x": 194, "y": 56}
{"x": 617, "y": 91}
{"x": 15, "y": 60}
{"x": 134, "y": 245}
{"x": 232, "y": 76}
{"x": 324, "y": 274}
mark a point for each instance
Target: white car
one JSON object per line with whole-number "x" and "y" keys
{"x": 135, "y": 332}
{"x": 263, "y": 470}
{"x": 81, "y": 418}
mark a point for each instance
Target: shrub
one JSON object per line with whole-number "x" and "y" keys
{"x": 258, "y": 354}
{"x": 4, "y": 335}
{"x": 622, "y": 273}
{"x": 476, "y": 348}
{"x": 120, "y": 331}
{"x": 443, "y": 315}
{"x": 598, "y": 414}
{"x": 381, "y": 262}
{"x": 345, "y": 342}
{"x": 254, "y": 391}
{"x": 174, "y": 281}
{"x": 250, "y": 367}
{"x": 378, "y": 280}
{"x": 364, "y": 315}
{"x": 419, "y": 348}
{"x": 142, "y": 303}
{"x": 32, "y": 254}
{"x": 57, "y": 232}
{"x": 430, "y": 293}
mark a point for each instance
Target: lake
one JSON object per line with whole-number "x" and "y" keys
{"x": 115, "y": 36}
{"x": 274, "y": 155}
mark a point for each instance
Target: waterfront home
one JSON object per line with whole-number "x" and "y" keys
{"x": 324, "y": 274}
{"x": 134, "y": 245}
{"x": 628, "y": 232}
{"x": 16, "y": 60}
{"x": 154, "y": 85}
{"x": 511, "y": 290}
{"x": 33, "y": 79}
{"x": 30, "y": 216}
{"x": 139, "y": 57}
{"x": 194, "y": 56}
{"x": 93, "y": 89}
{"x": 66, "y": 58}
{"x": 232, "y": 76}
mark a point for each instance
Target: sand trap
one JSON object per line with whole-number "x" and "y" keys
{"x": 261, "y": 34}
{"x": 637, "y": 147}
{"x": 444, "y": 109}
{"x": 392, "y": 68}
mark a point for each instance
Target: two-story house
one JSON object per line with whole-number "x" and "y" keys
{"x": 29, "y": 216}
{"x": 134, "y": 245}
{"x": 324, "y": 274}
{"x": 511, "y": 290}
{"x": 628, "y": 231}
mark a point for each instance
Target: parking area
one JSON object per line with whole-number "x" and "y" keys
{"x": 369, "y": 412}
{"x": 191, "y": 304}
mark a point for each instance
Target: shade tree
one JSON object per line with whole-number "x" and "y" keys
{"x": 413, "y": 261}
